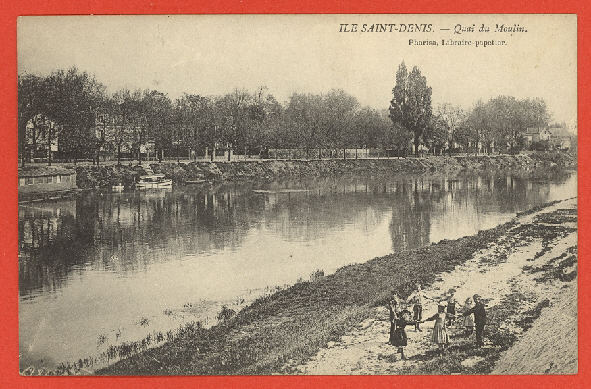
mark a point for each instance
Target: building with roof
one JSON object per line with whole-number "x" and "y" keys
{"x": 537, "y": 134}
{"x": 558, "y": 137}
{"x": 561, "y": 138}
{"x": 45, "y": 179}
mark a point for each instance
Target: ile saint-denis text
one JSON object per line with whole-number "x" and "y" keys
{"x": 458, "y": 29}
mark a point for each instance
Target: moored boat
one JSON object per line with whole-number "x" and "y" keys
{"x": 154, "y": 181}
{"x": 190, "y": 182}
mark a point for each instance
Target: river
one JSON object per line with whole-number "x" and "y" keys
{"x": 106, "y": 268}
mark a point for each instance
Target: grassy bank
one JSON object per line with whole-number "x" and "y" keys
{"x": 282, "y": 330}
{"x": 548, "y": 306}
{"x": 89, "y": 177}
{"x": 524, "y": 277}
{"x": 293, "y": 324}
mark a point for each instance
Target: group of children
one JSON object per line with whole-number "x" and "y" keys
{"x": 473, "y": 316}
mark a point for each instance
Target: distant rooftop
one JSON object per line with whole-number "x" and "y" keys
{"x": 554, "y": 131}
{"x": 41, "y": 171}
{"x": 561, "y": 132}
{"x": 534, "y": 130}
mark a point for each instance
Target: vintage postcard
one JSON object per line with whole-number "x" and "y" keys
{"x": 297, "y": 194}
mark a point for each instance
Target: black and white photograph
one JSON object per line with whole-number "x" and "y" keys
{"x": 329, "y": 194}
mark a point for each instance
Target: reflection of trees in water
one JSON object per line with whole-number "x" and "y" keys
{"x": 126, "y": 232}
{"x": 141, "y": 228}
{"x": 503, "y": 193}
{"x": 50, "y": 243}
{"x": 411, "y": 212}
{"x": 322, "y": 206}
{"x": 420, "y": 202}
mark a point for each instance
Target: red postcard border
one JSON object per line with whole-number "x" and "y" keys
{"x": 11, "y": 9}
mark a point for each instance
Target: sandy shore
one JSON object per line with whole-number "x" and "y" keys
{"x": 521, "y": 269}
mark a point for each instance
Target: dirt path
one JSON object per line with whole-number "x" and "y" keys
{"x": 506, "y": 271}
{"x": 556, "y": 326}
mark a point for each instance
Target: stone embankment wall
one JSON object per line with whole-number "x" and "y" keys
{"x": 89, "y": 177}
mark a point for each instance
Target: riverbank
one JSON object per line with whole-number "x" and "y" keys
{"x": 105, "y": 176}
{"x": 290, "y": 331}
{"x": 528, "y": 280}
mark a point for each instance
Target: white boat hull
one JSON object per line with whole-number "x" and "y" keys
{"x": 154, "y": 185}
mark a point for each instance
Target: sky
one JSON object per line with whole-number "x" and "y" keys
{"x": 214, "y": 54}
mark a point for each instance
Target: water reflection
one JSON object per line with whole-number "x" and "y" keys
{"x": 100, "y": 261}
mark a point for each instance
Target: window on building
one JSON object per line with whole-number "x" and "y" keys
{"x": 29, "y": 180}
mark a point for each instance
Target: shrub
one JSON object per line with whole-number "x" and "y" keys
{"x": 226, "y": 314}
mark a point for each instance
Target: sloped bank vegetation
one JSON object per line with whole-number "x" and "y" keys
{"x": 90, "y": 177}
{"x": 295, "y": 323}
{"x": 290, "y": 326}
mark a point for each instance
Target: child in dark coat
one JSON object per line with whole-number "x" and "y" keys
{"x": 479, "y": 312}
{"x": 399, "y": 319}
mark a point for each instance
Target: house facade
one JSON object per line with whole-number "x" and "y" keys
{"x": 537, "y": 134}
{"x": 45, "y": 179}
{"x": 556, "y": 137}
{"x": 561, "y": 138}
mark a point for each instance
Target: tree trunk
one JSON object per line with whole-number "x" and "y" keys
{"x": 229, "y": 154}
{"x": 212, "y": 153}
{"x": 118, "y": 154}
{"x": 417, "y": 141}
{"x": 49, "y": 147}
{"x": 344, "y": 154}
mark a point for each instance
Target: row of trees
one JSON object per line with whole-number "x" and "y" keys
{"x": 501, "y": 122}
{"x": 61, "y": 103}
{"x": 71, "y": 111}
